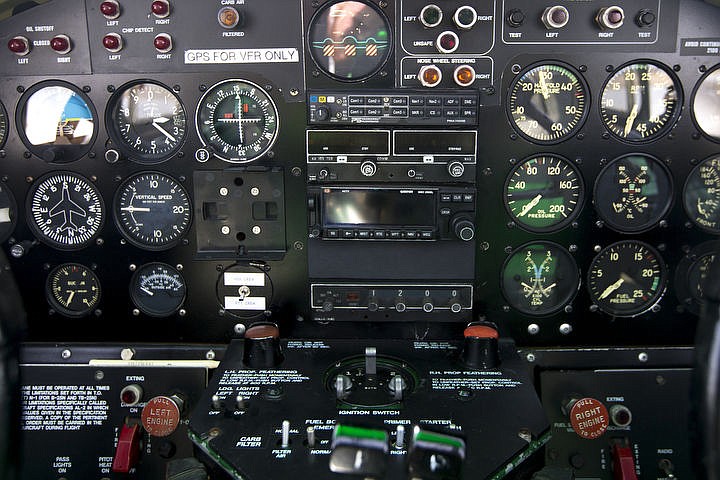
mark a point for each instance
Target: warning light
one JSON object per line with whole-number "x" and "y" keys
{"x": 430, "y": 76}
{"x": 447, "y": 42}
{"x": 228, "y": 17}
{"x": 464, "y": 75}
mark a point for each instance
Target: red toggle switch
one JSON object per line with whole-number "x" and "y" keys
{"x": 623, "y": 463}
{"x": 127, "y": 451}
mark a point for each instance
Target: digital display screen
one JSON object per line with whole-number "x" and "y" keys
{"x": 434, "y": 143}
{"x": 343, "y": 142}
{"x": 378, "y": 207}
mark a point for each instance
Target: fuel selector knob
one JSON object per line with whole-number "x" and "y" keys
{"x": 464, "y": 228}
{"x": 262, "y": 346}
{"x": 368, "y": 168}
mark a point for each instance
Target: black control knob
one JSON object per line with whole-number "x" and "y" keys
{"x": 464, "y": 228}
{"x": 368, "y": 168}
{"x": 456, "y": 169}
{"x": 481, "y": 346}
{"x": 322, "y": 114}
{"x": 327, "y": 306}
{"x": 373, "y": 304}
{"x": 400, "y": 305}
{"x": 262, "y": 346}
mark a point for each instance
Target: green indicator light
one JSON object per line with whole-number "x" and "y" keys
{"x": 382, "y": 34}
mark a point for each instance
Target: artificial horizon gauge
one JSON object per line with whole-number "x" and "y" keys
{"x": 8, "y": 212}
{"x": 56, "y": 121}
{"x": 237, "y": 121}
{"x": 692, "y": 273}
{"x": 701, "y": 195}
{"x": 3, "y": 125}
{"x": 548, "y": 103}
{"x": 640, "y": 102}
{"x": 349, "y": 40}
{"x": 157, "y": 289}
{"x": 152, "y": 210}
{"x": 706, "y": 104}
{"x": 146, "y": 120}
{"x": 540, "y": 278}
{"x": 65, "y": 210}
{"x": 627, "y": 278}
{"x": 73, "y": 290}
{"x": 544, "y": 193}
{"x": 633, "y": 193}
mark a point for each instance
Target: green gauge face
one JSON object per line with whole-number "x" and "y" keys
{"x": 633, "y": 193}
{"x": 548, "y": 103}
{"x": 3, "y": 125}
{"x": 640, "y": 102}
{"x": 701, "y": 196}
{"x": 157, "y": 289}
{"x": 627, "y": 278}
{"x": 237, "y": 121}
{"x": 540, "y": 278}
{"x": 706, "y": 104}
{"x": 73, "y": 290}
{"x": 147, "y": 121}
{"x": 544, "y": 194}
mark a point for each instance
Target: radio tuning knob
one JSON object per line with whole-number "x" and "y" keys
{"x": 400, "y": 304}
{"x": 368, "y": 168}
{"x": 456, "y": 169}
{"x": 327, "y": 306}
{"x": 373, "y": 305}
{"x": 428, "y": 305}
{"x": 464, "y": 228}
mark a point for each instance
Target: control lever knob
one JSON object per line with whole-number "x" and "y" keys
{"x": 481, "y": 346}
{"x": 262, "y": 346}
{"x": 464, "y": 228}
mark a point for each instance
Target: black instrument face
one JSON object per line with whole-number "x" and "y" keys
{"x": 701, "y": 195}
{"x": 627, "y": 278}
{"x": 540, "y": 278}
{"x": 65, "y": 210}
{"x": 56, "y": 121}
{"x": 152, "y": 210}
{"x": 544, "y": 194}
{"x": 691, "y": 276}
{"x": 706, "y": 104}
{"x": 73, "y": 290}
{"x": 633, "y": 193}
{"x": 640, "y": 102}
{"x": 8, "y": 212}
{"x": 147, "y": 121}
{"x": 157, "y": 289}
{"x": 3, "y": 125}
{"x": 349, "y": 40}
{"x": 548, "y": 103}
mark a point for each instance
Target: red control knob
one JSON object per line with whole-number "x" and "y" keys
{"x": 163, "y": 43}
{"x": 160, "y": 8}
{"x": 61, "y": 44}
{"x": 161, "y": 415}
{"x": 112, "y": 42}
{"x": 589, "y": 418}
{"x": 110, "y": 9}
{"x": 19, "y": 45}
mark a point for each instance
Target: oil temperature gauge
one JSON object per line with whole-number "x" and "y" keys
{"x": 540, "y": 278}
{"x": 73, "y": 290}
{"x": 157, "y": 289}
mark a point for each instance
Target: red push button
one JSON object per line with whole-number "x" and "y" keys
{"x": 160, "y": 8}
{"x": 19, "y": 45}
{"x": 128, "y": 449}
{"x": 161, "y": 416}
{"x": 61, "y": 44}
{"x": 589, "y": 418}
{"x": 110, "y": 9}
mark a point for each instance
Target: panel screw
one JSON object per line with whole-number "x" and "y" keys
{"x": 66, "y": 354}
{"x": 210, "y": 355}
{"x": 643, "y": 357}
{"x": 530, "y": 357}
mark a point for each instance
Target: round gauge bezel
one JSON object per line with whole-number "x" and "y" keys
{"x": 244, "y": 269}
{"x": 658, "y": 218}
{"x": 36, "y": 229}
{"x": 683, "y": 289}
{"x": 706, "y": 75}
{"x": 558, "y": 226}
{"x": 112, "y": 127}
{"x": 13, "y": 211}
{"x": 206, "y": 143}
{"x": 647, "y": 306}
{"x": 140, "y": 304}
{"x": 121, "y": 227}
{"x": 4, "y": 130}
{"x": 583, "y": 117}
{"x": 59, "y": 154}
{"x": 672, "y": 121}
{"x": 714, "y": 231}
{"x": 372, "y": 73}
{"x": 57, "y": 306}
{"x": 567, "y": 300}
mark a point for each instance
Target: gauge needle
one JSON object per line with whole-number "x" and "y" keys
{"x": 526, "y": 209}
{"x": 549, "y": 287}
{"x": 149, "y": 292}
{"x": 161, "y": 129}
{"x": 631, "y": 118}
{"x": 239, "y": 109}
{"x": 70, "y": 297}
{"x": 527, "y": 287}
{"x": 611, "y": 288}
{"x": 132, "y": 209}
{"x": 543, "y": 87}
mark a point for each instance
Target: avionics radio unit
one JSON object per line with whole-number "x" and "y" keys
{"x": 391, "y": 156}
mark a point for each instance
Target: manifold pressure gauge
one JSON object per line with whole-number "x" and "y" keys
{"x": 152, "y": 210}
{"x": 73, "y": 290}
{"x": 157, "y": 289}
{"x": 65, "y": 210}
{"x": 237, "y": 121}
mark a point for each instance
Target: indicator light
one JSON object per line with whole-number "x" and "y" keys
{"x": 228, "y": 17}
{"x": 110, "y": 9}
{"x": 610, "y": 17}
{"x": 19, "y": 45}
{"x": 465, "y": 17}
{"x": 447, "y": 42}
{"x": 163, "y": 43}
{"x": 61, "y": 44}
{"x": 464, "y": 75}
{"x": 112, "y": 42}
{"x": 555, "y": 17}
{"x": 430, "y": 76}
{"x": 431, "y": 16}
{"x": 160, "y": 8}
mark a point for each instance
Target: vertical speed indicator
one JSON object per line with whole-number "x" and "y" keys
{"x": 548, "y": 103}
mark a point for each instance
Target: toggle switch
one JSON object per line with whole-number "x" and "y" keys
{"x": 127, "y": 451}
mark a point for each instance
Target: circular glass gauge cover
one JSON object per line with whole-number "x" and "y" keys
{"x": 701, "y": 195}
{"x": 157, "y": 289}
{"x": 627, "y": 278}
{"x": 244, "y": 291}
{"x": 237, "y": 121}
{"x": 544, "y": 193}
{"x": 633, "y": 193}
{"x": 73, "y": 290}
{"x": 3, "y": 125}
{"x": 540, "y": 278}
{"x": 548, "y": 103}
{"x": 8, "y": 212}
{"x": 706, "y": 104}
{"x": 692, "y": 273}
{"x": 152, "y": 210}
{"x": 65, "y": 210}
{"x": 349, "y": 40}
{"x": 56, "y": 121}
{"x": 640, "y": 102}
{"x": 146, "y": 120}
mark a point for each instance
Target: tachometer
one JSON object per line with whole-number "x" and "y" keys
{"x": 157, "y": 289}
